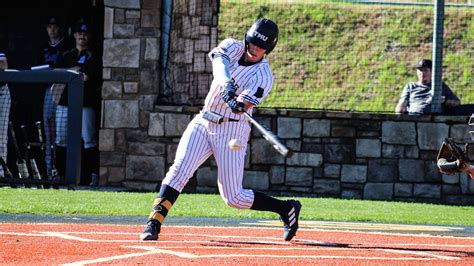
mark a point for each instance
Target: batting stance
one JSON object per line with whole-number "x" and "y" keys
{"x": 242, "y": 79}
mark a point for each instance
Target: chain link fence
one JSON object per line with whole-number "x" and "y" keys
{"x": 357, "y": 55}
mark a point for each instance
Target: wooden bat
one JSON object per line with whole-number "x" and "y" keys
{"x": 53, "y": 174}
{"x": 30, "y": 159}
{"x": 271, "y": 137}
{"x": 6, "y": 171}
{"x": 20, "y": 162}
{"x": 42, "y": 148}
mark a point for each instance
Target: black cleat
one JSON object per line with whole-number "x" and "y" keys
{"x": 290, "y": 220}
{"x": 151, "y": 231}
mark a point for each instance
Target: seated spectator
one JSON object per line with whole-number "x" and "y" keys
{"x": 417, "y": 96}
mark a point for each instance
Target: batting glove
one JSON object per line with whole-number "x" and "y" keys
{"x": 236, "y": 106}
{"x": 228, "y": 92}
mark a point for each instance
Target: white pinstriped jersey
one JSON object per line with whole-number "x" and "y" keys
{"x": 203, "y": 138}
{"x": 253, "y": 82}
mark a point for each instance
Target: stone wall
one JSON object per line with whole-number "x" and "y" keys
{"x": 131, "y": 81}
{"x": 341, "y": 155}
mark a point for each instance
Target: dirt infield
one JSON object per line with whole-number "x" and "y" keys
{"x": 83, "y": 244}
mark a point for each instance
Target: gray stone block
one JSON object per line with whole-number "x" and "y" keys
{"x": 430, "y": 135}
{"x": 399, "y": 133}
{"x": 427, "y": 191}
{"x": 451, "y": 189}
{"x": 289, "y": 127}
{"x": 467, "y": 184}
{"x": 412, "y": 152}
{"x": 157, "y": 125}
{"x": 332, "y": 170}
{"x": 151, "y": 49}
{"x": 130, "y": 87}
{"x": 382, "y": 170}
{"x": 148, "y": 148}
{"x": 175, "y": 124}
{"x": 116, "y": 110}
{"x": 411, "y": 170}
{"x": 277, "y": 175}
{"x": 263, "y": 153}
{"x": 316, "y": 128}
{"x": 354, "y": 173}
{"x": 206, "y": 177}
{"x": 339, "y": 153}
{"x": 326, "y": 186}
{"x": 393, "y": 151}
{"x": 351, "y": 194}
{"x": 257, "y": 180}
{"x": 146, "y": 168}
{"x": 112, "y": 159}
{"x": 460, "y": 133}
{"x": 378, "y": 191}
{"x": 121, "y": 53}
{"x": 116, "y": 174}
{"x": 123, "y": 3}
{"x": 124, "y": 30}
{"x": 368, "y": 148}
{"x": 451, "y": 179}
{"x": 403, "y": 190}
{"x": 106, "y": 140}
{"x": 432, "y": 173}
{"x": 299, "y": 176}
{"x": 111, "y": 90}
{"x": 305, "y": 159}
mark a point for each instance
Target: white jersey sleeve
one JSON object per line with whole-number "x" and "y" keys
{"x": 259, "y": 86}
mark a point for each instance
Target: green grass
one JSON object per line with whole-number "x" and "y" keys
{"x": 342, "y": 56}
{"x": 66, "y": 202}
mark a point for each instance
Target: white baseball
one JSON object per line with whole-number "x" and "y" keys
{"x": 234, "y": 144}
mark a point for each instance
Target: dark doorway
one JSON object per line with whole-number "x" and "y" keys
{"x": 22, "y": 32}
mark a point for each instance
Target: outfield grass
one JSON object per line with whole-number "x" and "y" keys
{"x": 66, "y": 202}
{"x": 353, "y": 57}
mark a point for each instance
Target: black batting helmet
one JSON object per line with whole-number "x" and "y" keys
{"x": 263, "y": 33}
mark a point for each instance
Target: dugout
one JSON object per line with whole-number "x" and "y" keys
{"x": 22, "y": 32}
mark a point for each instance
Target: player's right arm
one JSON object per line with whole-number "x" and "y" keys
{"x": 402, "y": 105}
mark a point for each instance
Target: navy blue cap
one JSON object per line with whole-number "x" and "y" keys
{"x": 53, "y": 21}
{"x": 424, "y": 63}
{"x": 82, "y": 27}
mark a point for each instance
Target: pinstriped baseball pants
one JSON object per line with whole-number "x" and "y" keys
{"x": 200, "y": 140}
{"x": 5, "y": 104}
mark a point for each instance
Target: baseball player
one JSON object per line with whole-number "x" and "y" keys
{"x": 5, "y": 104}
{"x": 50, "y": 54}
{"x": 84, "y": 60}
{"x": 242, "y": 79}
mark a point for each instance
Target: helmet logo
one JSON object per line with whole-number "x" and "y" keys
{"x": 260, "y": 36}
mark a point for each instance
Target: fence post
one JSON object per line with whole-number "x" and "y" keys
{"x": 437, "y": 71}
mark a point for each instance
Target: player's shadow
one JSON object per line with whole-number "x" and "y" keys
{"x": 237, "y": 244}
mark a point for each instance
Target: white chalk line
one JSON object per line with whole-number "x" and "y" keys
{"x": 186, "y": 255}
{"x": 68, "y": 235}
{"x": 285, "y": 246}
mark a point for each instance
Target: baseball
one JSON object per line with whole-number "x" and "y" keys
{"x": 234, "y": 144}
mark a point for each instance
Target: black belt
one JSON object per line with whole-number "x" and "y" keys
{"x": 217, "y": 118}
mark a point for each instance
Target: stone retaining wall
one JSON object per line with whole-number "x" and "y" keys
{"x": 341, "y": 155}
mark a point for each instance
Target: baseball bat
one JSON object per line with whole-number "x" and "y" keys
{"x": 42, "y": 148}
{"x": 28, "y": 156}
{"x": 20, "y": 162}
{"x": 271, "y": 137}
{"x": 6, "y": 171}
{"x": 53, "y": 174}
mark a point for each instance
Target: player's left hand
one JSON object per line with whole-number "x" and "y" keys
{"x": 228, "y": 92}
{"x": 236, "y": 106}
